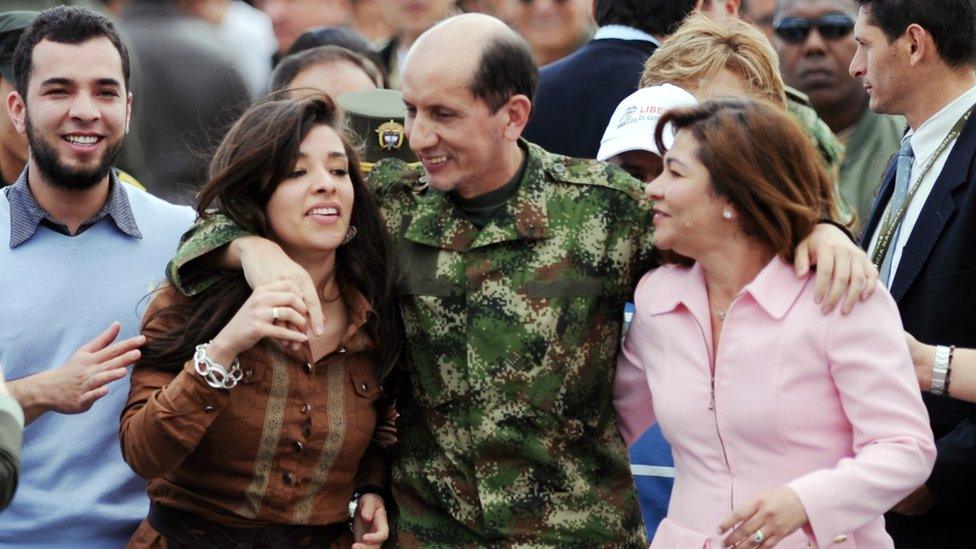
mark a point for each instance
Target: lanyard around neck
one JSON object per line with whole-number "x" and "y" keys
{"x": 892, "y": 219}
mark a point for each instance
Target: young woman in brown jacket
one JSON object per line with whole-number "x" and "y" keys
{"x": 253, "y": 429}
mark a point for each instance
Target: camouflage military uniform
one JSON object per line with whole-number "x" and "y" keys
{"x": 830, "y": 149}
{"x": 509, "y": 435}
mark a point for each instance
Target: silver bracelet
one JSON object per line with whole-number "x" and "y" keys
{"x": 940, "y": 370}
{"x": 216, "y": 375}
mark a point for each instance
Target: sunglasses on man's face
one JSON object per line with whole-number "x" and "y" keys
{"x": 796, "y": 29}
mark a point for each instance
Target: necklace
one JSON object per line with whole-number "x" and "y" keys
{"x": 721, "y": 314}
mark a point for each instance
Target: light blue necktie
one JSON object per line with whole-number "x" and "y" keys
{"x": 903, "y": 175}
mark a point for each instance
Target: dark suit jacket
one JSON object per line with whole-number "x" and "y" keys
{"x": 935, "y": 288}
{"x": 577, "y": 94}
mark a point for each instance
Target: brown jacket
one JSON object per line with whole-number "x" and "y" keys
{"x": 288, "y": 445}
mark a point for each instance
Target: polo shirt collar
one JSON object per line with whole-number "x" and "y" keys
{"x": 26, "y": 214}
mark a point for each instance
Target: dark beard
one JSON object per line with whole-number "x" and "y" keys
{"x": 63, "y": 176}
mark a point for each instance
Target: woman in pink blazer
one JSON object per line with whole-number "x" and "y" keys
{"x": 789, "y": 427}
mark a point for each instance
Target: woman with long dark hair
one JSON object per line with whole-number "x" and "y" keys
{"x": 251, "y": 429}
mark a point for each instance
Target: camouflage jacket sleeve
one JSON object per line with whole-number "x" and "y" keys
{"x": 830, "y": 148}
{"x": 205, "y": 236}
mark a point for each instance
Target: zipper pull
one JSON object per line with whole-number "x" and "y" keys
{"x": 711, "y": 396}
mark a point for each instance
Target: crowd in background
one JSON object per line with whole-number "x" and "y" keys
{"x": 218, "y": 86}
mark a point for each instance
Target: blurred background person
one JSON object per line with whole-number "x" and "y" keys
{"x": 343, "y": 37}
{"x": 728, "y": 11}
{"x": 719, "y": 9}
{"x": 490, "y": 7}
{"x": 106, "y": 7}
{"x": 807, "y": 447}
{"x": 577, "y": 94}
{"x": 553, "y": 28}
{"x": 247, "y": 31}
{"x": 328, "y": 69}
{"x": 11, "y": 437}
{"x": 13, "y": 144}
{"x": 628, "y": 141}
{"x": 815, "y": 42}
{"x": 410, "y": 19}
{"x": 371, "y": 19}
{"x": 293, "y": 17}
{"x": 732, "y": 58}
{"x": 193, "y": 92}
{"x": 760, "y": 13}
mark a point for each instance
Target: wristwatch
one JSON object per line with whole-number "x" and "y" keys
{"x": 940, "y": 369}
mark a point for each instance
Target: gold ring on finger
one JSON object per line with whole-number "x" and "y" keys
{"x": 274, "y": 315}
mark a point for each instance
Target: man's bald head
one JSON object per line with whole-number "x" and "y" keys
{"x": 495, "y": 61}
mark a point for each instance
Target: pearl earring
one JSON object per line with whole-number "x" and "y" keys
{"x": 727, "y": 214}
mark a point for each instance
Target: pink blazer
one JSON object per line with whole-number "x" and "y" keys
{"x": 825, "y": 404}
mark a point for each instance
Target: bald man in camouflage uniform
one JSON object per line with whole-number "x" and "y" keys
{"x": 512, "y": 332}
{"x": 512, "y": 295}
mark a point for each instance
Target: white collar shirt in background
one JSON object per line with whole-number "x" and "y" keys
{"x": 623, "y": 32}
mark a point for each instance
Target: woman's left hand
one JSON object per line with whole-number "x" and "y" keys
{"x": 769, "y": 517}
{"x": 369, "y": 525}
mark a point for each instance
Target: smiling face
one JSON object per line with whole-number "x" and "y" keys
{"x": 687, "y": 211}
{"x": 309, "y": 211}
{"x": 76, "y": 111}
{"x": 818, "y": 65}
{"x": 881, "y": 66}
{"x": 455, "y": 135}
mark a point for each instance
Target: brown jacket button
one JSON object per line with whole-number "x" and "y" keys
{"x": 308, "y": 368}
{"x": 208, "y": 409}
{"x": 298, "y": 446}
{"x": 306, "y": 408}
{"x": 288, "y": 478}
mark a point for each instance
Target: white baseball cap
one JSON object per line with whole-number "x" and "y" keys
{"x": 632, "y": 125}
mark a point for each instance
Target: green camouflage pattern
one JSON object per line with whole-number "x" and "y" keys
{"x": 830, "y": 148}
{"x": 507, "y": 433}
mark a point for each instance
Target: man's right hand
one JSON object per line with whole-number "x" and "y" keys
{"x": 264, "y": 263}
{"x": 73, "y": 387}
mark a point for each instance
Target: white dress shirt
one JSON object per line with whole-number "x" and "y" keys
{"x": 623, "y": 32}
{"x": 925, "y": 141}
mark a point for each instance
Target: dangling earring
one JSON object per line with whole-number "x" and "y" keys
{"x": 727, "y": 214}
{"x": 350, "y": 234}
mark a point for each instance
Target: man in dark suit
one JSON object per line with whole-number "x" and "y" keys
{"x": 918, "y": 59}
{"x": 578, "y": 93}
